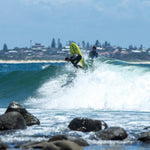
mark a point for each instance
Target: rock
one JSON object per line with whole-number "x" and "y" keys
{"x": 87, "y": 125}
{"x": 144, "y": 137}
{"x": 29, "y": 118}
{"x": 58, "y": 137}
{"x": 79, "y": 141}
{"x": 29, "y": 145}
{"x": 51, "y": 146}
{"x": 12, "y": 120}
{"x": 112, "y": 133}
{"x": 3, "y": 146}
{"x": 146, "y": 128}
{"x": 32, "y": 145}
{"x": 55, "y": 145}
{"x": 62, "y": 145}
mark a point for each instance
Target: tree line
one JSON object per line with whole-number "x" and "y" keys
{"x": 87, "y": 45}
{"x": 56, "y": 44}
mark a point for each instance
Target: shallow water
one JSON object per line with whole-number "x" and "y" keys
{"x": 56, "y": 121}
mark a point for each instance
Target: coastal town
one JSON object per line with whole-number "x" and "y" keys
{"x": 56, "y": 51}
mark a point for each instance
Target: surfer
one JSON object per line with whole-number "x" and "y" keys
{"x": 93, "y": 53}
{"x": 75, "y": 59}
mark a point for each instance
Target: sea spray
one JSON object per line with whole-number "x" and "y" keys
{"x": 104, "y": 87}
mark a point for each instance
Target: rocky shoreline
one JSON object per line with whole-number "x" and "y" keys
{"x": 17, "y": 117}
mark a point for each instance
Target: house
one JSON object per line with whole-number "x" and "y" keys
{"x": 37, "y": 46}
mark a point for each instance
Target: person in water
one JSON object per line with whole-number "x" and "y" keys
{"x": 75, "y": 59}
{"x": 93, "y": 53}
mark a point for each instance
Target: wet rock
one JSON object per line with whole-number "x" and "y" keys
{"x": 29, "y": 118}
{"x": 12, "y": 120}
{"x": 3, "y": 146}
{"x": 32, "y": 145}
{"x": 87, "y": 125}
{"x": 144, "y": 137}
{"x": 28, "y": 145}
{"x": 55, "y": 145}
{"x": 76, "y": 140}
{"x": 112, "y": 133}
{"x": 62, "y": 145}
{"x": 147, "y": 128}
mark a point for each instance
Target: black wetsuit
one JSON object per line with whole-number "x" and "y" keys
{"x": 93, "y": 54}
{"x": 75, "y": 59}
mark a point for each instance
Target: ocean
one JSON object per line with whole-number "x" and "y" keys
{"x": 110, "y": 90}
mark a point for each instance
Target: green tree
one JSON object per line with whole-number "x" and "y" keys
{"x": 53, "y": 44}
{"x": 83, "y": 44}
{"x": 88, "y": 45}
{"x": 141, "y": 47}
{"x": 135, "y": 48}
{"x": 106, "y": 44}
{"x": 59, "y": 44}
{"x": 97, "y": 43}
{"x": 5, "y": 47}
{"x": 130, "y": 47}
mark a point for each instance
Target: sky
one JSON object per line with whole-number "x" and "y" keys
{"x": 120, "y": 22}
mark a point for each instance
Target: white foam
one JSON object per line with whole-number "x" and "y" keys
{"x": 105, "y": 86}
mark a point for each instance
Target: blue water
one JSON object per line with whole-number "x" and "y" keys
{"x": 109, "y": 90}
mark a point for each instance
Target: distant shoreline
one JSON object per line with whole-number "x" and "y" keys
{"x": 58, "y": 61}
{"x": 30, "y": 61}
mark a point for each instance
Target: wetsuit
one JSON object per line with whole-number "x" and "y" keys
{"x": 75, "y": 59}
{"x": 93, "y": 54}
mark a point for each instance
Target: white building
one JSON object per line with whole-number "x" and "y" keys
{"x": 37, "y": 46}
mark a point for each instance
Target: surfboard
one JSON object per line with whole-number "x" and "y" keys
{"x": 74, "y": 50}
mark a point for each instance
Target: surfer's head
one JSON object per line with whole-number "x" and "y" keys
{"x": 67, "y": 59}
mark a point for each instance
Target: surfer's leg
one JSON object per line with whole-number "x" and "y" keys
{"x": 78, "y": 66}
{"x": 78, "y": 58}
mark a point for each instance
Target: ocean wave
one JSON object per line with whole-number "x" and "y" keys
{"x": 102, "y": 85}
{"x": 18, "y": 82}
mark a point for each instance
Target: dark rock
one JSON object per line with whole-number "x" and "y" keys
{"x": 112, "y": 133}
{"x": 62, "y": 145}
{"x": 33, "y": 145}
{"x": 144, "y": 137}
{"x": 87, "y": 125}
{"x": 29, "y": 118}
{"x": 79, "y": 141}
{"x": 12, "y": 120}
{"x": 58, "y": 137}
{"x": 3, "y": 146}
{"x": 146, "y": 128}
{"x": 55, "y": 145}
{"x": 28, "y": 145}
{"x": 51, "y": 146}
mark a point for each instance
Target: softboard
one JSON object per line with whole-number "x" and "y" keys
{"x": 74, "y": 50}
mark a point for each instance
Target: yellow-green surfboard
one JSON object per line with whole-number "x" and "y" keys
{"x": 74, "y": 50}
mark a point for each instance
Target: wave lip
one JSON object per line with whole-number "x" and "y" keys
{"x": 18, "y": 82}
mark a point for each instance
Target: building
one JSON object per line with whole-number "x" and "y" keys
{"x": 37, "y": 46}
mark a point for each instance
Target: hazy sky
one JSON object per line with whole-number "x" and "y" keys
{"x": 121, "y": 22}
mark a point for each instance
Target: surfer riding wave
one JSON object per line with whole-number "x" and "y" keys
{"x": 75, "y": 59}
